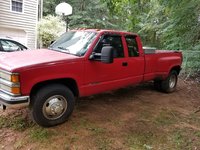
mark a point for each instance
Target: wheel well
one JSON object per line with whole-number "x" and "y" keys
{"x": 177, "y": 69}
{"x": 70, "y": 83}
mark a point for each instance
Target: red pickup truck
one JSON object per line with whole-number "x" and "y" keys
{"x": 81, "y": 63}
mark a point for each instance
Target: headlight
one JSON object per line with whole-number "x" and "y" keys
{"x": 9, "y": 76}
{"x": 9, "y": 82}
{"x": 12, "y": 90}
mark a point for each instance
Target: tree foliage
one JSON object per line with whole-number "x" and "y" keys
{"x": 173, "y": 24}
{"x": 183, "y": 25}
{"x": 86, "y": 13}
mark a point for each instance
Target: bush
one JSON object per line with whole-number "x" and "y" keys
{"x": 50, "y": 28}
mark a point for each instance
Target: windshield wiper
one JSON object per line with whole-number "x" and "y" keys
{"x": 63, "y": 48}
{"x": 64, "y": 51}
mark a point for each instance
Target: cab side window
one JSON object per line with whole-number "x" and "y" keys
{"x": 111, "y": 40}
{"x": 133, "y": 50}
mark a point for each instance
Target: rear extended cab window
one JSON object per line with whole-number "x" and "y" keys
{"x": 131, "y": 42}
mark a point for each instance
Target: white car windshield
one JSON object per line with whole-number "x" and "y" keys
{"x": 74, "y": 42}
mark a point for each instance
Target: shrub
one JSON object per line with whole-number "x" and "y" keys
{"x": 50, "y": 28}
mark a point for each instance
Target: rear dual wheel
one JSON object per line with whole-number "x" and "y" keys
{"x": 168, "y": 85}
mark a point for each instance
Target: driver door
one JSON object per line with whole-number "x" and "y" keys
{"x": 101, "y": 77}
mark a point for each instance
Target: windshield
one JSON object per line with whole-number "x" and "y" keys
{"x": 74, "y": 42}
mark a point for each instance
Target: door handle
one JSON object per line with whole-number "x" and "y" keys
{"x": 124, "y": 64}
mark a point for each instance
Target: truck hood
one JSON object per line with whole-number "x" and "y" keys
{"x": 32, "y": 58}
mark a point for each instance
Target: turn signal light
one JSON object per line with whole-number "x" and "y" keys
{"x": 14, "y": 78}
{"x": 15, "y": 90}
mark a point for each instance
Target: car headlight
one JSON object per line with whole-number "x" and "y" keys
{"x": 12, "y": 77}
{"x": 9, "y": 82}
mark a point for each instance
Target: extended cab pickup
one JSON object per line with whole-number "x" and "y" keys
{"x": 81, "y": 63}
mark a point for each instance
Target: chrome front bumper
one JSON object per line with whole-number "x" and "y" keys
{"x": 13, "y": 102}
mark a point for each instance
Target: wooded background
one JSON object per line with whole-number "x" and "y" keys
{"x": 173, "y": 24}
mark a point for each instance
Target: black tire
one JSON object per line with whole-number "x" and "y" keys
{"x": 157, "y": 85}
{"x": 169, "y": 85}
{"x": 52, "y": 105}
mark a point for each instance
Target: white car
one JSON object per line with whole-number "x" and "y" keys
{"x": 9, "y": 45}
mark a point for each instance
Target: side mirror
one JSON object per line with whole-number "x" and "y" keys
{"x": 107, "y": 55}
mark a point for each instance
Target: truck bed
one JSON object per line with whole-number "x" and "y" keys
{"x": 151, "y": 50}
{"x": 157, "y": 62}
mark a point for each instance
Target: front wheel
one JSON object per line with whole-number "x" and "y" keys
{"x": 52, "y": 105}
{"x": 169, "y": 85}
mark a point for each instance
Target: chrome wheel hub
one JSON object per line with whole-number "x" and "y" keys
{"x": 172, "y": 81}
{"x": 54, "y": 107}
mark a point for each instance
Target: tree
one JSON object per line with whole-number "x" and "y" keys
{"x": 49, "y": 6}
{"x": 173, "y": 24}
{"x": 86, "y": 13}
{"x": 183, "y": 26}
